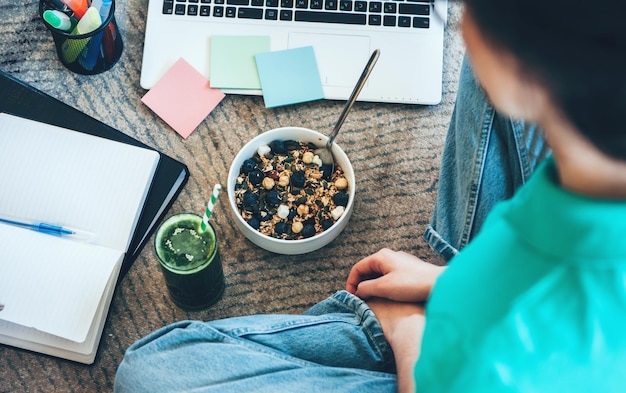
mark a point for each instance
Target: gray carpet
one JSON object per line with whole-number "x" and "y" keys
{"x": 395, "y": 149}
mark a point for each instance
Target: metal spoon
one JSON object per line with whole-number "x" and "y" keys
{"x": 326, "y": 153}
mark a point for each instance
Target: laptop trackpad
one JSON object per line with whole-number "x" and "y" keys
{"x": 340, "y": 58}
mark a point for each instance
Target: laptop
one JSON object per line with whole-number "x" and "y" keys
{"x": 343, "y": 34}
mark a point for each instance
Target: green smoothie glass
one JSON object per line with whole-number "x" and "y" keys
{"x": 190, "y": 261}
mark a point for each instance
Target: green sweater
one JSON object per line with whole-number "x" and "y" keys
{"x": 536, "y": 302}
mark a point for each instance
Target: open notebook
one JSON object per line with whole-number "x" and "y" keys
{"x": 56, "y": 291}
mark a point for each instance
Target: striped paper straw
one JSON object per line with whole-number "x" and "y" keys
{"x": 210, "y": 206}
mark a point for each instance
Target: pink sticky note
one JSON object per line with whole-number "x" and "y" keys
{"x": 183, "y": 98}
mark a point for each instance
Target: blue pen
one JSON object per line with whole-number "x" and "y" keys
{"x": 40, "y": 227}
{"x": 49, "y": 229}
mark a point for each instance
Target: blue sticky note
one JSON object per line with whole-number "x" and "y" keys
{"x": 289, "y": 76}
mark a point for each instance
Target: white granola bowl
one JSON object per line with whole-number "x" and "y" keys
{"x": 282, "y": 246}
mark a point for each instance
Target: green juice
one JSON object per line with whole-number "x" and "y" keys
{"x": 190, "y": 261}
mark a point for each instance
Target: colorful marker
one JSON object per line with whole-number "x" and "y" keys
{"x": 71, "y": 48}
{"x": 58, "y": 20}
{"x": 78, "y": 6}
{"x": 89, "y": 56}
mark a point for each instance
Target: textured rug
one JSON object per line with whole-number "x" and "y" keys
{"x": 396, "y": 150}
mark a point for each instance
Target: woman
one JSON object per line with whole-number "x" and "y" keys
{"x": 536, "y": 301}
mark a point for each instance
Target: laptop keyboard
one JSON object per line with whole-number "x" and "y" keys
{"x": 400, "y": 13}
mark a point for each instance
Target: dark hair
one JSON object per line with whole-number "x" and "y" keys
{"x": 576, "y": 49}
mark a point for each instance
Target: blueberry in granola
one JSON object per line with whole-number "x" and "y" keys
{"x": 278, "y": 147}
{"x": 273, "y": 198}
{"x": 308, "y": 231}
{"x": 247, "y": 166}
{"x": 298, "y": 179}
{"x": 256, "y": 177}
{"x": 250, "y": 199}
{"x": 341, "y": 199}
{"x": 254, "y": 222}
{"x": 327, "y": 223}
{"x": 281, "y": 227}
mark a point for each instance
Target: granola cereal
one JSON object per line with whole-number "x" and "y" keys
{"x": 284, "y": 191}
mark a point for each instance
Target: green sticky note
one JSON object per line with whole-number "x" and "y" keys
{"x": 232, "y": 61}
{"x": 289, "y": 76}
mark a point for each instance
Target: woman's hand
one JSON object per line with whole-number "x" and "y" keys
{"x": 403, "y": 326}
{"x": 393, "y": 275}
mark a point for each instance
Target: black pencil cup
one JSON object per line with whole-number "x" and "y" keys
{"x": 90, "y": 53}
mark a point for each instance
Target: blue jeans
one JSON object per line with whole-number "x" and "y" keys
{"x": 338, "y": 345}
{"x": 486, "y": 158}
